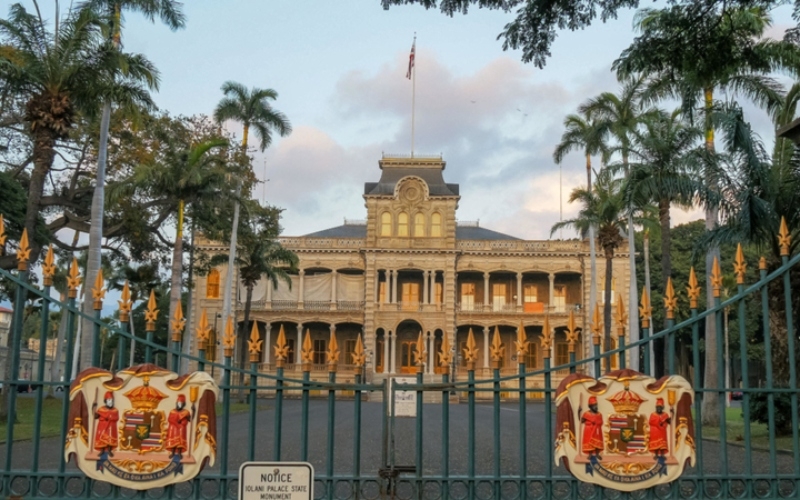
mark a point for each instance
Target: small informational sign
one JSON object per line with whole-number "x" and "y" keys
{"x": 405, "y": 402}
{"x": 276, "y": 481}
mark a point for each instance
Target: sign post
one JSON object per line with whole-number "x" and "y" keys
{"x": 276, "y": 481}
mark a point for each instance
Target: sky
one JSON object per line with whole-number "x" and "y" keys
{"x": 339, "y": 69}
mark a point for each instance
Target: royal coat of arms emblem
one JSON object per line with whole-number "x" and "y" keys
{"x": 142, "y": 427}
{"x": 625, "y": 431}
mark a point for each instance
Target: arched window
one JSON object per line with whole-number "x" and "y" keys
{"x": 436, "y": 225}
{"x": 212, "y": 285}
{"x": 386, "y": 224}
{"x": 419, "y": 225}
{"x": 402, "y": 224}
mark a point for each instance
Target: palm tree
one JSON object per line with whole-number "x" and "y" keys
{"x": 169, "y": 11}
{"x": 690, "y": 62}
{"x": 663, "y": 171}
{"x": 59, "y": 75}
{"x": 582, "y": 133}
{"x": 252, "y": 109}
{"x": 620, "y": 115}
{"x": 606, "y": 208}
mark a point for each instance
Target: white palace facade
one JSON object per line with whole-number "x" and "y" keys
{"x": 412, "y": 267}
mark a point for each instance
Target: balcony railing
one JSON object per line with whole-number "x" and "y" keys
{"x": 317, "y": 305}
{"x": 308, "y": 305}
{"x": 515, "y": 309}
{"x": 284, "y": 304}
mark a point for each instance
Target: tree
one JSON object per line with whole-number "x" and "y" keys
{"x": 664, "y": 171}
{"x": 690, "y": 58}
{"x": 605, "y": 207}
{"x": 620, "y": 116}
{"x": 169, "y": 11}
{"x": 252, "y": 109}
{"x": 533, "y": 30}
{"x": 59, "y": 76}
{"x": 583, "y": 133}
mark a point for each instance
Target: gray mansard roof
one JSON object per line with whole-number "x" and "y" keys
{"x": 391, "y": 175}
{"x": 360, "y": 231}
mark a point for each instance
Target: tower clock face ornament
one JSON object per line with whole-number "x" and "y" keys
{"x": 626, "y": 431}
{"x": 142, "y": 427}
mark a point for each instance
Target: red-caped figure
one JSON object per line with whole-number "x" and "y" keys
{"x": 658, "y": 430}
{"x": 106, "y": 436}
{"x": 177, "y": 432}
{"x": 592, "y": 430}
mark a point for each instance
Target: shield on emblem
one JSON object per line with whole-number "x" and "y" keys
{"x": 143, "y": 431}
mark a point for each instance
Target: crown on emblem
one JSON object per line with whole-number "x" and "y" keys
{"x": 145, "y": 397}
{"x": 626, "y": 401}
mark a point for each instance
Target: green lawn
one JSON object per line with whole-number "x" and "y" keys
{"x": 51, "y": 418}
{"x": 759, "y": 434}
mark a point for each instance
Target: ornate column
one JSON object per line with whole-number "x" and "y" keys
{"x": 333, "y": 290}
{"x": 269, "y": 292}
{"x": 390, "y": 287}
{"x": 426, "y": 284}
{"x": 485, "y": 290}
{"x": 396, "y": 284}
{"x": 393, "y": 352}
{"x": 299, "y": 343}
{"x": 385, "y": 351}
{"x": 552, "y": 291}
{"x": 486, "y": 347}
{"x": 519, "y": 290}
{"x": 300, "y": 293}
{"x": 267, "y": 340}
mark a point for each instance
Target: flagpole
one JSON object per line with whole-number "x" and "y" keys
{"x": 413, "y": 92}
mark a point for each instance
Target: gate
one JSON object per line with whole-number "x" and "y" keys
{"x": 465, "y": 440}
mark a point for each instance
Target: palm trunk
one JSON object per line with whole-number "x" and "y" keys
{"x": 43, "y": 156}
{"x": 177, "y": 278}
{"x": 607, "y": 306}
{"x": 226, "y": 297}
{"x": 662, "y": 354}
{"x": 592, "y": 250}
{"x": 187, "y": 336}
{"x": 633, "y": 292}
{"x": 646, "y": 245}
{"x": 711, "y": 410}
{"x": 95, "y": 236}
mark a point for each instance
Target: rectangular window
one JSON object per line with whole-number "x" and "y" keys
{"x": 532, "y": 357}
{"x": 379, "y": 356}
{"x": 562, "y": 353}
{"x": 320, "y": 351}
{"x": 467, "y": 296}
{"x": 291, "y": 357}
{"x": 530, "y": 293}
{"x": 437, "y": 293}
{"x": 382, "y": 292}
{"x": 498, "y": 296}
{"x": 560, "y": 299}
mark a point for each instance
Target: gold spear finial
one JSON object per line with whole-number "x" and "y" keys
{"x": 333, "y": 352}
{"x": 151, "y": 314}
{"x": 547, "y": 337}
{"x": 572, "y": 331}
{"x": 98, "y": 292}
{"x": 419, "y": 353}
{"x": 203, "y": 331}
{"x": 784, "y": 238}
{"x": 178, "y": 323}
{"x": 716, "y": 278}
{"x": 49, "y": 267}
{"x": 228, "y": 340}
{"x": 739, "y": 265}
{"x": 670, "y": 300}
{"x": 597, "y": 326}
{"x": 622, "y": 316}
{"x": 693, "y": 290}
{"x": 645, "y": 310}
{"x": 359, "y": 356}
{"x": 521, "y": 343}
{"x": 254, "y": 344}
{"x": 2, "y": 234}
{"x": 73, "y": 279}
{"x": 471, "y": 351}
{"x": 496, "y": 349}
{"x": 307, "y": 352}
{"x": 125, "y": 303}
{"x": 762, "y": 263}
{"x": 281, "y": 349}
{"x": 445, "y": 357}
{"x": 24, "y": 252}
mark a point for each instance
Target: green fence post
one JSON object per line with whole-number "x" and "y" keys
{"x": 716, "y": 280}
{"x": 150, "y": 315}
{"x": 124, "y": 318}
{"x": 48, "y": 269}
{"x": 471, "y": 356}
{"x": 228, "y": 343}
{"x": 523, "y": 347}
{"x": 281, "y": 355}
{"x": 445, "y": 359}
{"x": 670, "y": 304}
{"x": 644, "y": 313}
{"x": 73, "y": 282}
{"x": 547, "y": 340}
{"x": 784, "y": 241}
{"x": 359, "y": 360}
{"x": 16, "y": 338}
{"x": 773, "y": 465}
{"x": 418, "y": 449}
{"x": 739, "y": 268}
{"x": 333, "y": 360}
{"x": 178, "y": 323}
{"x": 693, "y": 291}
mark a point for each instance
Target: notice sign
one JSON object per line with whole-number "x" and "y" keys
{"x": 276, "y": 481}
{"x": 405, "y": 402}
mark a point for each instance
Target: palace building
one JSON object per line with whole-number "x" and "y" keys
{"x": 413, "y": 267}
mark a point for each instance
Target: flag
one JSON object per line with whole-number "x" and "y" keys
{"x": 411, "y": 59}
